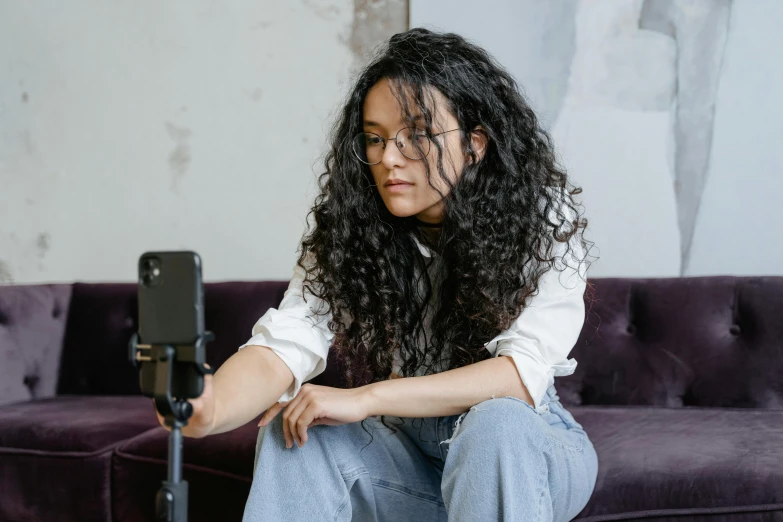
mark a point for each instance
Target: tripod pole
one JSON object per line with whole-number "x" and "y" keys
{"x": 172, "y": 499}
{"x": 175, "y": 455}
{"x": 171, "y": 504}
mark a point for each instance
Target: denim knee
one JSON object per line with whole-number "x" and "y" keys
{"x": 497, "y": 420}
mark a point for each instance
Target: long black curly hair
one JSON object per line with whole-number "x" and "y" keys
{"x": 508, "y": 218}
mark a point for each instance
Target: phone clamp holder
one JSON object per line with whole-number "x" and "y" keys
{"x": 171, "y": 503}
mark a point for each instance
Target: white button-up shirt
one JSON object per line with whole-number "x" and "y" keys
{"x": 538, "y": 341}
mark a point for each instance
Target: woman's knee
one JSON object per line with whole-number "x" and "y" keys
{"x": 314, "y": 434}
{"x": 500, "y": 419}
{"x": 335, "y": 443}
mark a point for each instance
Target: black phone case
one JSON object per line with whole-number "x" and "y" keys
{"x": 171, "y": 311}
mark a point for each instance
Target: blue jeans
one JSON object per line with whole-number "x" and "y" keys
{"x": 504, "y": 461}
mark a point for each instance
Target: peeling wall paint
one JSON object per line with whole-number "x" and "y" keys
{"x": 5, "y": 273}
{"x": 43, "y": 244}
{"x": 179, "y": 159}
{"x": 206, "y": 134}
{"x": 375, "y": 21}
{"x": 669, "y": 121}
{"x": 699, "y": 30}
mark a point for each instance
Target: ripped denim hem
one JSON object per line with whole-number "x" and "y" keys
{"x": 540, "y": 410}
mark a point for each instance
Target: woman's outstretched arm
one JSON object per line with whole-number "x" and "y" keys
{"x": 249, "y": 382}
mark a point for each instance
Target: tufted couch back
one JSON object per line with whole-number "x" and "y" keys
{"x": 694, "y": 341}
{"x": 73, "y": 339}
{"x": 703, "y": 341}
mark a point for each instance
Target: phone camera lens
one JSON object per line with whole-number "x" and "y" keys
{"x": 150, "y": 271}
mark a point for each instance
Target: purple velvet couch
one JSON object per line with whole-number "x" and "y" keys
{"x": 679, "y": 385}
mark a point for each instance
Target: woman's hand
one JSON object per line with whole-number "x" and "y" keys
{"x": 202, "y": 421}
{"x": 316, "y": 405}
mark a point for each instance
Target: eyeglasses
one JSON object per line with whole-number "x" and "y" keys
{"x": 412, "y": 142}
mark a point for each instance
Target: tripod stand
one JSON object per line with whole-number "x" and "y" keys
{"x": 171, "y": 503}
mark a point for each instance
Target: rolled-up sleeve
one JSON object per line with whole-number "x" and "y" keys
{"x": 296, "y": 333}
{"x": 546, "y": 330}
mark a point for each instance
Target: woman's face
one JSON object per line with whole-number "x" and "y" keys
{"x": 401, "y": 181}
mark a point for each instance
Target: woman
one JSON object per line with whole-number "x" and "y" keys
{"x": 445, "y": 270}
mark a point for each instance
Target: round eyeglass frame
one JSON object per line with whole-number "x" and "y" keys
{"x": 354, "y": 144}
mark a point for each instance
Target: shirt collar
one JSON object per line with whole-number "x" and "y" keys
{"x": 424, "y": 249}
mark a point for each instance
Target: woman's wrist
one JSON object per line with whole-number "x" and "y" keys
{"x": 369, "y": 399}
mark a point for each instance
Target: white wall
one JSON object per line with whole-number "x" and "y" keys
{"x": 133, "y": 126}
{"x": 127, "y": 127}
{"x": 668, "y": 114}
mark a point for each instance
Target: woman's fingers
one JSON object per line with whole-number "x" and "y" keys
{"x": 271, "y": 413}
{"x": 288, "y": 407}
{"x": 293, "y": 432}
{"x": 289, "y": 440}
{"x": 303, "y": 423}
{"x": 298, "y": 414}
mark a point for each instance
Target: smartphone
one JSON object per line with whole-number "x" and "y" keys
{"x": 171, "y": 312}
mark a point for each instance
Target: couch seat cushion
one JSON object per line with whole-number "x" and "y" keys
{"x": 670, "y": 461}
{"x": 74, "y": 423}
{"x": 55, "y": 455}
{"x": 218, "y": 468}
